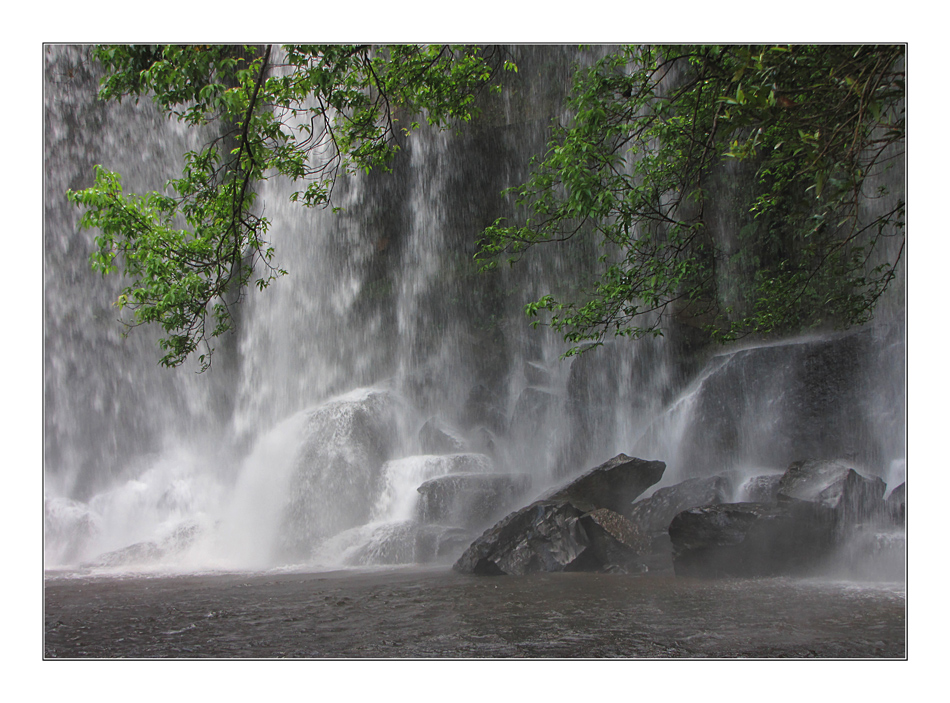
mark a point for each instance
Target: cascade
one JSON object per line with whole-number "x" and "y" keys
{"x": 384, "y": 403}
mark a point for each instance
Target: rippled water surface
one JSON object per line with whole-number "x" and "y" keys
{"x": 423, "y": 613}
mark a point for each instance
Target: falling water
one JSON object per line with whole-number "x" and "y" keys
{"x": 383, "y": 363}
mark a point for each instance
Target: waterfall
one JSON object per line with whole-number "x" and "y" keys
{"x": 382, "y": 364}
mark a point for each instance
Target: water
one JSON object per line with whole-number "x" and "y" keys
{"x": 398, "y": 614}
{"x": 383, "y": 354}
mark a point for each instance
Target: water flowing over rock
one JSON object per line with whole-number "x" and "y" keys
{"x": 469, "y": 500}
{"x": 339, "y": 464}
{"x": 835, "y": 491}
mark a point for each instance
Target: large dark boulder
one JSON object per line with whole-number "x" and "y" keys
{"x": 468, "y": 499}
{"x": 552, "y": 536}
{"x": 579, "y": 526}
{"x": 652, "y": 515}
{"x": 615, "y": 484}
{"x": 747, "y": 540}
{"x": 837, "y": 494}
{"x": 544, "y": 536}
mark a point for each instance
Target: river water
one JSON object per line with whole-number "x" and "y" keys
{"x": 435, "y": 613}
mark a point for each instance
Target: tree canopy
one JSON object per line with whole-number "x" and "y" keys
{"x": 653, "y": 130}
{"x": 305, "y": 113}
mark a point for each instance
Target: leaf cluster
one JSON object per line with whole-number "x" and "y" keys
{"x": 652, "y": 130}
{"x": 307, "y": 113}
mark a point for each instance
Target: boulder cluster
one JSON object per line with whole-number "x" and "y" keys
{"x": 790, "y": 523}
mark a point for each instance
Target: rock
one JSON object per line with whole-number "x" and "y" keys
{"x": 150, "y": 552}
{"x": 409, "y": 543}
{"x": 138, "y": 553}
{"x": 481, "y": 410}
{"x": 615, "y": 484}
{"x": 544, "y": 536}
{"x": 838, "y": 494}
{"x": 554, "y": 536}
{"x": 532, "y": 412}
{"x": 615, "y": 543}
{"x": 839, "y": 396}
{"x": 873, "y": 553}
{"x": 469, "y": 500}
{"x": 896, "y": 504}
{"x": 760, "y": 489}
{"x": 652, "y": 515}
{"x": 68, "y": 528}
{"x": 348, "y": 439}
{"x": 435, "y": 439}
{"x": 747, "y": 540}
{"x": 577, "y": 527}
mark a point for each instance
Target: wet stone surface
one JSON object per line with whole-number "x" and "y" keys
{"x": 422, "y": 613}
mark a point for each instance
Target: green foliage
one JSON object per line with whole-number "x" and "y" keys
{"x": 653, "y": 129}
{"x": 313, "y": 113}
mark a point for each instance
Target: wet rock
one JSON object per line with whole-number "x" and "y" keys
{"x": 872, "y": 552}
{"x": 409, "y": 543}
{"x": 138, "y": 553}
{"x": 760, "y": 489}
{"x": 896, "y": 504}
{"x": 68, "y": 527}
{"x": 577, "y": 527}
{"x": 151, "y": 552}
{"x": 837, "y": 494}
{"x": 615, "y": 544}
{"x": 482, "y": 410}
{"x": 747, "y": 540}
{"x": 532, "y": 412}
{"x": 652, "y": 515}
{"x": 437, "y": 439}
{"x": 469, "y": 499}
{"x": 554, "y": 536}
{"x": 544, "y": 536}
{"x": 615, "y": 484}
{"x": 348, "y": 439}
{"x": 840, "y": 396}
